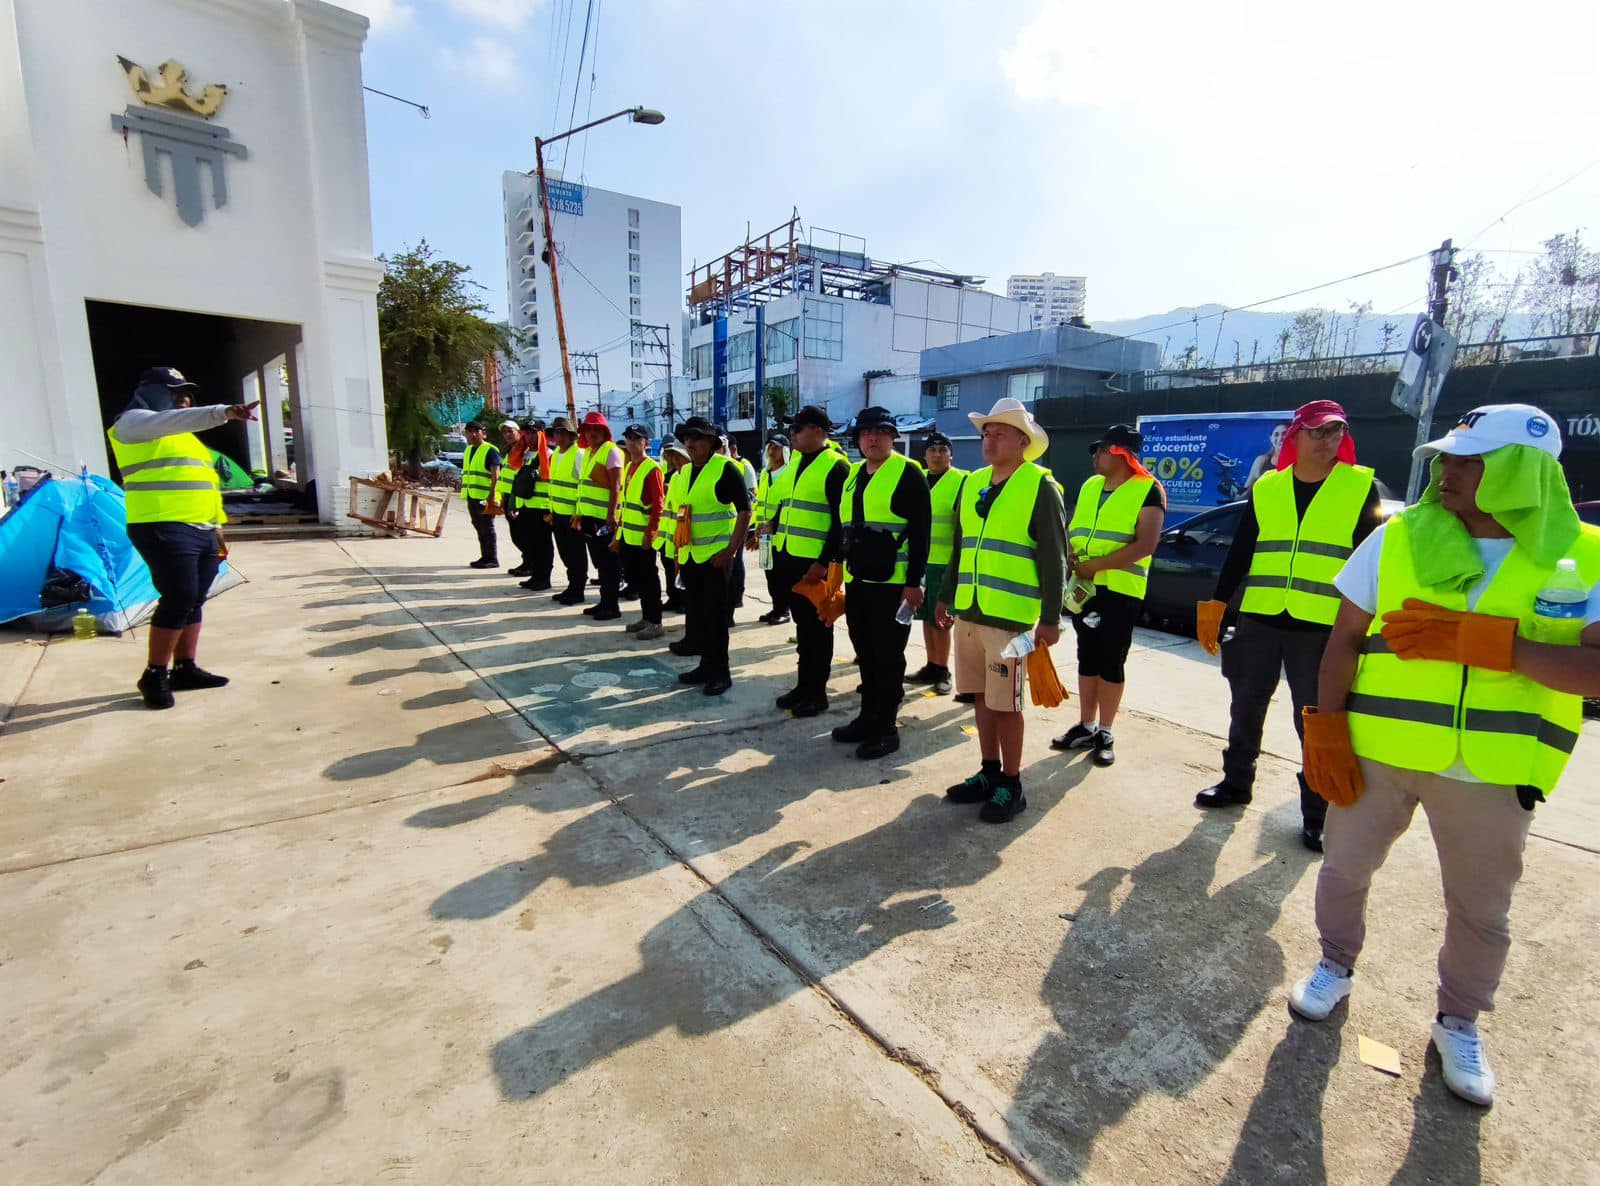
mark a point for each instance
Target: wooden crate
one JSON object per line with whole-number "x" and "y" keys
{"x": 397, "y": 508}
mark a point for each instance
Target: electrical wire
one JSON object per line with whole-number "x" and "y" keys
{"x": 588, "y": 111}
{"x": 577, "y": 82}
{"x": 1528, "y": 201}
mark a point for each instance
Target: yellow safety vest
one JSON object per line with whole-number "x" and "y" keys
{"x": 564, "y": 482}
{"x": 998, "y": 570}
{"x": 677, "y": 491}
{"x": 711, "y": 521}
{"x": 1421, "y": 714}
{"x": 801, "y": 505}
{"x": 944, "y": 494}
{"x": 475, "y": 482}
{"x": 172, "y": 479}
{"x": 1295, "y": 560}
{"x": 594, "y": 500}
{"x": 761, "y": 512}
{"x": 1097, "y": 530}
{"x": 877, "y": 511}
{"x": 635, "y": 515}
{"x": 539, "y": 500}
{"x": 502, "y": 484}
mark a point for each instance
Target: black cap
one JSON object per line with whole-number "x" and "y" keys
{"x": 936, "y": 438}
{"x": 696, "y": 426}
{"x": 777, "y": 438}
{"x": 812, "y": 415}
{"x": 869, "y": 418}
{"x": 1122, "y": 435}
{"x": 536, "y": 426}
{"x": 168, "y": 377}
{"x": 637, "y": 431}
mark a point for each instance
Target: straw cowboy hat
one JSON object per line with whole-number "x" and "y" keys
{"x": 1011, "y": 412}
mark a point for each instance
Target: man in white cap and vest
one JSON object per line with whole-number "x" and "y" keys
{"x": 1298, "y": 527}
{"x": 1467, "y": 637}
{"x": 1005, "y": 578}
{"x": 175, "y": 518}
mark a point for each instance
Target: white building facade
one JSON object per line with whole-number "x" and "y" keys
{"x": 214, "y": 216}
{"x": 843, "y": 351}
{"x": 1052, "y": 299}
{"x": 621, "y": 274}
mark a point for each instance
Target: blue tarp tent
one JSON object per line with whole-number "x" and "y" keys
{"x": 81, "y": 525}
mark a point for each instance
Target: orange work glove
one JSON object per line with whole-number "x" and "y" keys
{"x": 1043, "y": 682}
{"x": 1329, "y": 761}
{"x": 1421, "y": 630}
{"x": 814, "y": 591}
{"x": 1208, "y": 624}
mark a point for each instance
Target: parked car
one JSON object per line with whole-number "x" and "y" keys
{"x": 1589, "y": 512}
{"x": 454, "y": 450}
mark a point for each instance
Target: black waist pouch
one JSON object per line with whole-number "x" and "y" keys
{"x": 872, "y": 553}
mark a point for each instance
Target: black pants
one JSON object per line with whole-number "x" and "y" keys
{"x": 183, "y": 562}
{"x": 736, "y": 580}
{"x": 531, "y": 534}
{"x": 813, "y": 640}
{"x": 1251, "y": 661}
{"x": 705, "y": 609}
{"x": 574, "y": 554}
{"x": 777, "y": 591}
{"x": 880, "y": 643}
{"x": 1103, "y": 647}
{"x": 607, "y": 564}
{"x": 639, "y": 566}
{"x": 483, "y": 524}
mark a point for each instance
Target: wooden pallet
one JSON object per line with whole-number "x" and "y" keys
{"x": 396, "y": 507}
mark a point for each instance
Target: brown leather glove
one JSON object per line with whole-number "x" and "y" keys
{"x": 1208, "y": 624}
{"x": 1329, "y": 761}
{"x": 1421, "y": 630}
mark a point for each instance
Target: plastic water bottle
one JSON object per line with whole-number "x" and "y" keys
{"x": 1558, "y": 612}
{"x": 905, "y": 614}
{"x": 1020, "y": 645}
{"x": 83, "y": 625}
{"x": 11, "y": 491}
{"x": 764, "y": 553}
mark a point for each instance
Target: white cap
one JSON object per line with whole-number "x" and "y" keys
{"x": 1494, "y": 426}
{"x": 511, "y": 424}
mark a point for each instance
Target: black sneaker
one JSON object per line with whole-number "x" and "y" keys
{"x": 716, "y": 687}
{"x": 926, "y": 674}
{"x": 965, "y": 697}
{"x": 1311, "y": 837}
{"x": 1080, "y": 736}
{"x": 684, "y": 648}
{"x": 971, "y": 790}
{"x": 697, "y": 676}
{"x": 186, "y": 677}
{"x": 520, "y": 570}
{"x": 942, "y": 685}
{"x": 1104, "y": 753}
{"x": 533, "y": 586}
{"x": 605, "y": 613}
{"x": 811, "y": 706}
{"x": 880, "y": 746}
{"x": 1003, "y": 805}
{"x": 1221, "y": 795}
{"x": 856, "y": 730}
{"x": 790, "y": 699}
{"x": 484, "y": 562}
{"x": 156, "y": 688}
{"x": 569, "y": 597}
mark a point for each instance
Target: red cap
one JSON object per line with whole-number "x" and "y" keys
{"x": 1318, "y": 412}
{"x": 1314, "y": 415}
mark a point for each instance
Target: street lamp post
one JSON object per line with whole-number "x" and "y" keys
{"x": 638, "y": 115}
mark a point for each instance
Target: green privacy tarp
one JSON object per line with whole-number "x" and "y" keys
{"x": 230, "y": 473}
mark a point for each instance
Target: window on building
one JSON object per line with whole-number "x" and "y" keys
{"x": 950, "y": 395}
{"x": 700, "y": 361}
{"x": 781, "y": 390}
{"x": 742, "y": 351}
{"x": 633, "y": 284}
{"x": 824, "y": 330}
{"x": 744, "y": 400}
{"x": 1027, "y": 386}
{"x": 633, "y": 261}
{"x": 633, "y": 218}
{"x": 633, "y": 240}
{"x": 702, "y": 402}
{"x": 781, "y": 342}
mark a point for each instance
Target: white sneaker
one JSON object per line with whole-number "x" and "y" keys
{"x": 1315, "y": 996}
{"x": 1466, "y": 1062}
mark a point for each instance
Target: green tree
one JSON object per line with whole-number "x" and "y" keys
{"x": 434, "y": 338}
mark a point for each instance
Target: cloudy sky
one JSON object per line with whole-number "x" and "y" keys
{"x": 1175, "y": 154}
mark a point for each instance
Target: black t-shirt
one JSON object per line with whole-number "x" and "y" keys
{"x": 1237, "y": 564}
{"x": 910, "y": 502}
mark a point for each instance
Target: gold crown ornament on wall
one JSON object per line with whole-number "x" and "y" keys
{"x": 170, "y": 88}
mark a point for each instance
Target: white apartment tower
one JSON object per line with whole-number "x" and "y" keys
{"x": 1052, "y": 299}
{"x": 621, "y": 272}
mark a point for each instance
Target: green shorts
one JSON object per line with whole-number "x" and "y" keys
{"x": 931, "y": 583}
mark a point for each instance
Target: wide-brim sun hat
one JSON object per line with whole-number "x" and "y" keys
{"x": 1011, "y": 412}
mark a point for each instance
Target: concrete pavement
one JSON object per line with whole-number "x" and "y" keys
{"x": 455, "y": 885}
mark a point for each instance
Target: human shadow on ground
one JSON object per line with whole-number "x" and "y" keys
{"x": 28, "y": 718}
{"x": 832, "y": 909}
{"x": 1282, "y": 1136}
{"x": 1446, "y": 1134}
{"x": 1150, "y": 992}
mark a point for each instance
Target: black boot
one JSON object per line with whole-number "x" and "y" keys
{"x": 156, "y": 688}
{"x": 186, "y": 677}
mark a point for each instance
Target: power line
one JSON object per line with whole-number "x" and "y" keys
{"x": 577, "y": 81}
{"x": 1531, "y": 199}
{"x": 588, "y": 111}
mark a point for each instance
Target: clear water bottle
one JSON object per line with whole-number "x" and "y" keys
{"x": 1020, "y": 646}
{"x": 1558, "y": 611}
{"x": 83, "y": 625}
{"x": 12, "y": 487}
{"x": 905, "y": 614}
{"x": 764, "y": 552}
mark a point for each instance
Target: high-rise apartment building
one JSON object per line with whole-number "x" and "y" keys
{"x": 1052, "y": 299}
{"x": 621, "y": 273}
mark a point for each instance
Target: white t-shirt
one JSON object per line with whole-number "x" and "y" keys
{"x": 1358, "y": 581}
